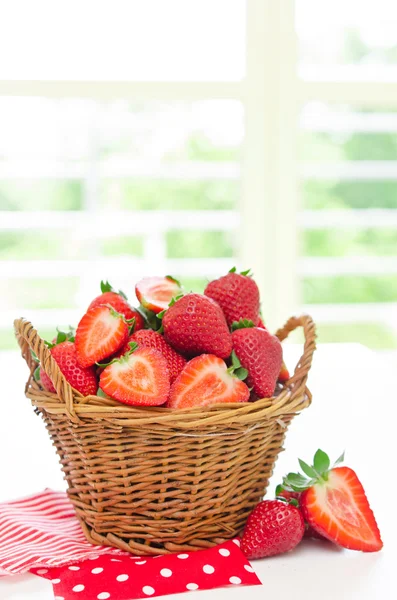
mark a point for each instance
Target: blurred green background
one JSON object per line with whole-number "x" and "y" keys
{"x": 145, "y": 129}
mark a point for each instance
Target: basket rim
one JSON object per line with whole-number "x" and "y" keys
{"x": 293, "y": 397}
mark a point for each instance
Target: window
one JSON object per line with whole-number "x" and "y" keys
{"x": 189, "y": 138}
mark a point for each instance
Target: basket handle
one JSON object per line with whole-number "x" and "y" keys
{"x": 28, "y": 339}
{"x": 299, "y": 378}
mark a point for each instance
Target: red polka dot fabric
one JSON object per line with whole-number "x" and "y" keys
{"x": 126, "y": 577}
{"x": 41, "y": 534}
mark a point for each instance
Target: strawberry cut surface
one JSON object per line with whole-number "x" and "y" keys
{"x": 152, "y": 339}
{"x": 338, "y": 509}
{"x": 206, "y": 380}
{"x": 155, "y": 293}
{"x": 100, "y": 333}
{"x": 139, "y": 378}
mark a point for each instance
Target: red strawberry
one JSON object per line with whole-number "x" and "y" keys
{"x": 118, "y": 301}
{"x": 273, "y": 527}
{"x": 296, "y": 496}
{"x": 152, "y": 339}
{"x": 334, "y": 504}
{"x": 155, "y": 293}
{"x": 138, "y": 378}
{"x": 237, "y": 295}
{"x": 82, "y": 379}
{"x": 46, "y": 382}
{"x": 100, "y": 333}
{"x": 261, "y": 354}
{"x": 287, "y": 494}
{"x": 206, "y": 380}
{"x": 284, "y": 375}
{"x": 196, "y": 325}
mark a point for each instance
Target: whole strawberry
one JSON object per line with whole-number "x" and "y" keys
{"x": 261, "y": 354}
{"x": 119, "y": 302}
{"x": 195, "y": 325}
{"x": 272, "y": 528}
{"x": 284, "y": 373}
{"x": 152, "y": 339}
{"x": 238, "y": 296}
{"x": 82, "y": 379}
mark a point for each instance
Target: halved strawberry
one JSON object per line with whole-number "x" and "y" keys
{"x": 100, "y": 333}
{"x": 334, "y": 503}
{"x": 138, "y": 378}
{"x": 206, "y": 380}
{"x": 118, "y": 301}
{"x": 153, "y": 339}
{"x": 155, "y": 293}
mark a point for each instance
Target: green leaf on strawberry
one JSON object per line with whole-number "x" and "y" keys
{"x": 36, "y": 374}
{"x": 107, "y": 287}
{"x": 307, "y": 469}
{"x": 242, "y": 324}
{"x": 321, "y": 462}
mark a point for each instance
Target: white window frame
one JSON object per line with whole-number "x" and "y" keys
{"x": 269, "y": 211}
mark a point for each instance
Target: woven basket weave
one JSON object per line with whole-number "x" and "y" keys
{"x": 156, "y": 480}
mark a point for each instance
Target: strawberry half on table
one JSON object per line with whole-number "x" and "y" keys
{"x": 82, "y": 379}
{"x": 118, "y": 301}
{"x": 139, "y": 378}
{"x": 155, "y": 293}
{"x": 100, "y": 333}
{"x": 206, "y": 380}
{"x": 334, "y": 504}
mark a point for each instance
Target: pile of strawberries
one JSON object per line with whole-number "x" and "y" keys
{"x": 178, "y": 350}
{"x": 328, "y": 504}
{"x": 185, "y": 350}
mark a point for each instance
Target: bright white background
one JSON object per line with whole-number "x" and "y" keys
{"x": 185, "y": 137}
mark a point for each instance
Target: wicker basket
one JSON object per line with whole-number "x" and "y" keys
{"x": 156, "y": 480}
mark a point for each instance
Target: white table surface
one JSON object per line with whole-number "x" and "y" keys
{"x": 354, "y": 409}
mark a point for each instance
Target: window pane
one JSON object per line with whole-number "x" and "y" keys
{"x": 344, "y": 33}
{"x": 349, "y": 190}
{"x": 123, "y": 40}
{"x": 112, "y": 190}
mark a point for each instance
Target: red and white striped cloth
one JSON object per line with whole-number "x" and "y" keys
{"x": 42, "y": 531}
{"x": 41, "y": 534}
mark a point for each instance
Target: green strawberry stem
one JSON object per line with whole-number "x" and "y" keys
{"x": 236, "y": 369}
{"x": 133, "y": 346}
{"x": 316, "y": 473}
{"x": 242, "y": 324}
{"x": 107, "y": 287}
{"x": 245, "y": 273}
